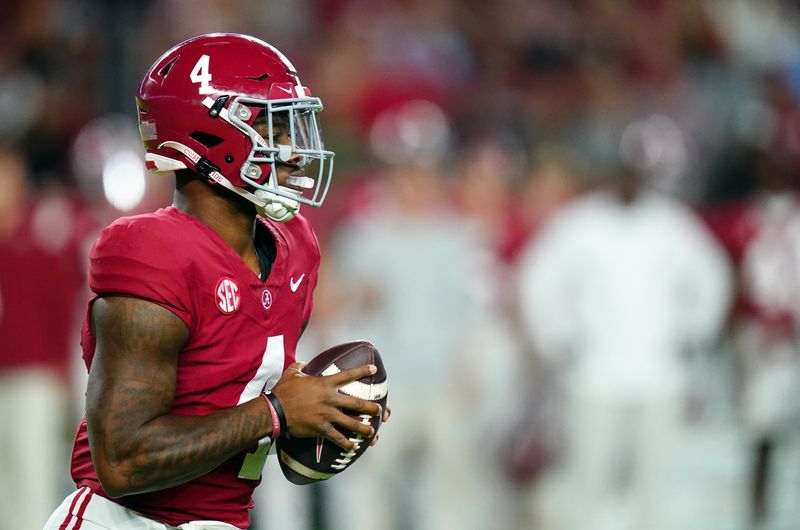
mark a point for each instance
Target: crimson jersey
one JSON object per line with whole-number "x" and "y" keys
{"x": 242, "y": 334}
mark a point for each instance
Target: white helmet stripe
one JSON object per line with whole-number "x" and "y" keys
{"x": 223, "y": 112}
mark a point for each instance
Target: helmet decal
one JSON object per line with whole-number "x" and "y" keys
{"x": 200, "y": 74}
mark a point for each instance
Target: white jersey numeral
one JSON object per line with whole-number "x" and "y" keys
{"x": 268, "y": 373}
{"x": 200, "y": 74}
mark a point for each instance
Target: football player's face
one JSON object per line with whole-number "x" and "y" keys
{"x": 280, "y": 136}
{"x": 280, "y": 129}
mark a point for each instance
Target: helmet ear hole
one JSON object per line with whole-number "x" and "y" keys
{"x": 228, "y": 158}
{"x": 207, "y": 139}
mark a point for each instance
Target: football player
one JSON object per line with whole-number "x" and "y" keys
{"x": 197, "y": 308}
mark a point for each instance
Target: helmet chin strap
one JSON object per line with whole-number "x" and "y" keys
{"x": 275, "y": 207}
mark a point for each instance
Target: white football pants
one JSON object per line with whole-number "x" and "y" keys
{"x": 85, "y": 511}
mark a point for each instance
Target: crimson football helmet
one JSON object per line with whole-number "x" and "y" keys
{"x": 217, "y": 103}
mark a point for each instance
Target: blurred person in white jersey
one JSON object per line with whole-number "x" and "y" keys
{"x": 617, "y": 290}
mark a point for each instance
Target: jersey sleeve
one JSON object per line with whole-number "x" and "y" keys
{"x": 134, "y": 259}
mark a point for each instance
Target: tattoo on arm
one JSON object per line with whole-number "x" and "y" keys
{"x": 137, "y": 445}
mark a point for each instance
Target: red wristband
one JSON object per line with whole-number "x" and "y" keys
{"x": 276, "y": 421}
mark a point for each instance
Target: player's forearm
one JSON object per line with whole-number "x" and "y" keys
{"x": 171, "y": 450}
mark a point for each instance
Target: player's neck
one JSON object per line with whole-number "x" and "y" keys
{"x": 233, "y": 221}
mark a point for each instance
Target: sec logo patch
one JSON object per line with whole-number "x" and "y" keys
{"x": 228, "y": 296}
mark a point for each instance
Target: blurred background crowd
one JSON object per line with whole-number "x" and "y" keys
{"x": 571, "y": 227}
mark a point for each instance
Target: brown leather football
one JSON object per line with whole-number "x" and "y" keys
{"x": 309, "y": 460}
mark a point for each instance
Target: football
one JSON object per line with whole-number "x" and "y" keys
{"x": 309, "y": 460}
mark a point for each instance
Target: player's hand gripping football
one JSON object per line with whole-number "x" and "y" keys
{"x": 313, "y": 404}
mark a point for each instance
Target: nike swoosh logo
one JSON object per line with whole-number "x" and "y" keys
{"x": 294, "y": 284}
